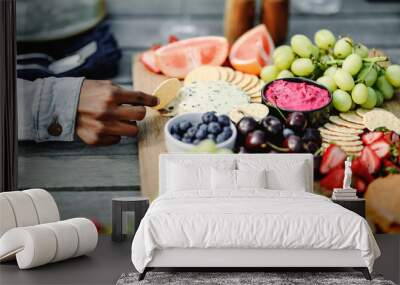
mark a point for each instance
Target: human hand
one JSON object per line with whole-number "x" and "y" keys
{"x": 106, "y": 112}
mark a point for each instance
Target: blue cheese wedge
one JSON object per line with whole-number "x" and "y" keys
{"x": 203, "y": 96}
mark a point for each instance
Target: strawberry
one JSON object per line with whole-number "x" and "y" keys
{"x": 360, "y": 170}
{"x": 172, "y": 39}
{"x": 370, "y": 160}
{"x": 359, "y": 184}
{"x": 334, "y": 179}
{"x": 391, "y": 137}
{"x": 381, "y": 148}
{"x": 148, "y": 58}
{"x": 333, "y": 157}
{"x": 388, "y": 163}
{"x": 390, "y": 167}
{"x": 370, "y": 137}
{"x": 395, "y": 137}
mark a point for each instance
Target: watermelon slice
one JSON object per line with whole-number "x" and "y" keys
{"x": 179, "y": 58}
{"x": 252, "y": 50}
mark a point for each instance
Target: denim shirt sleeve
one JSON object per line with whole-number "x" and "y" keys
{"x": 42, "y": 101}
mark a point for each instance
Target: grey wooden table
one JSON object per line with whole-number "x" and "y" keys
{"x": 101, "y": 173}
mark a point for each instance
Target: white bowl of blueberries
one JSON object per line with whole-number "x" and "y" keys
{"x": 185, "y": 131}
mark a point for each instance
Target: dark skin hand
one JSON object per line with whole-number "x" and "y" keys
{"x": 106, "y": 112}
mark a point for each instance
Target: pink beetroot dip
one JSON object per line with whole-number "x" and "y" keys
{"x": 297, "y": 96}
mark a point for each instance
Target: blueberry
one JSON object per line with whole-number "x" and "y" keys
{"x": 228, "y": 131}
{"x": 191, "y": 132}
{"x": 287, "y": 132}
{"x": 178, "y": 137}
{"x": 201, "y": 134}
{"x": 175, "y": 129}
{"x": 184, "y": 125}
{"x": 220, "y": 138}
{"x": 214, "y": 128}
{"x": 196, "y": 141}
{"x": 187, "y": 140}
{"x": 209, "y": 117}
{"x": 224, "y": 120}
{"x": 223, "y": 137}
{"x": 211, "y": 137}
{"x": 202, "y": 126}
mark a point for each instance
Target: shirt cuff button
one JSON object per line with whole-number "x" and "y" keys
{"x": 55, "y": 129}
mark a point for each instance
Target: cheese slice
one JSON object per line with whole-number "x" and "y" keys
{"x": 219, "y": 96}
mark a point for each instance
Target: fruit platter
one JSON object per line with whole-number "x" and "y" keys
{"x": 329, "y": 96}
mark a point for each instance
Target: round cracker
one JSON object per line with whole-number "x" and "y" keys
{"x": 202, "y": 73}
{"x": 340, "y": 129}
{"x": 254, "y": 95}
{"x": 256, "y": 99}
{"x": 339, "y": 121}
{"x": 343, "y": 143}
{"x": 253, "y": 83}
{"x": 361, "y": 112}
{"x": 223, "y": 73}
{"x": 353, "y": 153}
{"x": 381, "y": 118}
{"x": 352, "y": 117}
{"x": 246, "y": 81}
{"x": 166, "y": 92}
{"x": 255, "y": 110}
{"x": 332, "y": 133}
{"x": 238, "y": 77}
{"x": 256, "y": 88}
{"x": 231, "y": 73}
{"x": 338, "y": 138}
{"x": 357, "y": 148}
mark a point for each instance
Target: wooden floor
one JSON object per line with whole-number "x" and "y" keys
{"x": 103, "y": 266}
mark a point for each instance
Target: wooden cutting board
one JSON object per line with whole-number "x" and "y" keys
{"x": 151, "y": 136}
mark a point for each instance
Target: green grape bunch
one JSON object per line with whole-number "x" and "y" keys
{"x": 349, "y": 70}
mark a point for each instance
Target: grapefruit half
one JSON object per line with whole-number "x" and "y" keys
{"x": 252, "y": 50}
{"x": 179, "y": 58}
{"x": 148, "y": 58}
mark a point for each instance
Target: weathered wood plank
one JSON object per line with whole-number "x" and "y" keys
{"x": 393, "y": 53}
{"x": 79, "y": 172}
{"x": 356, "y": 8}
{"x": 143, "y": 8}
{"x": 89, "y": 204}
{"x": 127, "y": 146}
{"x": 124, "y": 75}
{"x": 216, "y": 8}
{"x": 365, "y": 7}
{"x": 118, "y": 8}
